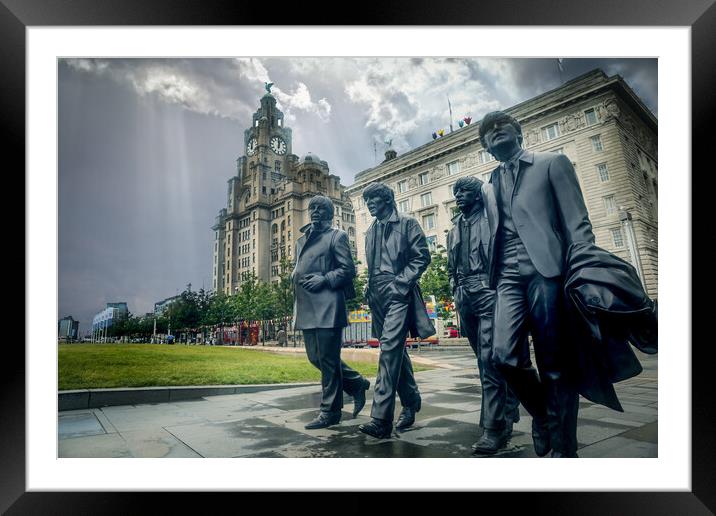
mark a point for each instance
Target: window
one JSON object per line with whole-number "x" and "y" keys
{"x": 432, "y": 243}
{"x": 609, "y": 204}
{"x": 428, "y": 221}
{"x": 603, "y": 172}
{"x": 426, "y": 199}
{"x": 484, "y": 157}
{"x": 402, "y": 187}
{"x": 453, "y": 168}
{"x": 591, "y": 116}
{"x": 278, "y": 166}
{"x": 423, "y": 178}
{"x": 404, "y": 206}
{"x": 597, "y": 143}
{"x": 550, "y": 132}
{"x": 617, "y": 237}
{"x": 263, "y": 190}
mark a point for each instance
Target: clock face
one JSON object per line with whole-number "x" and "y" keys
{"x": 251, "y": 147}
{"x": 278, "y": 145}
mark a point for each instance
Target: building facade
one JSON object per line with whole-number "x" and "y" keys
{"x": 597, "y": 121}
{"x": 68, "y": 328}
{"x": 104, "y": 320}
{"x": 267, "y": 203}
{"x": 161, "y": 306}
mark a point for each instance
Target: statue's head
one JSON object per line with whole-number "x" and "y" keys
{"x": 500, "y": 131}
{"x": 468, "y": 192}
{"x": 380, "y": 200}
{"x": 320, "y": 208}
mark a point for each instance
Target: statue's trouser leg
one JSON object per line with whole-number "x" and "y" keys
{"x": 528, "y": 302}
{"x": 323, "y": 347}
{"x": 476, "y": 315}
{"x": 395, "y": 371}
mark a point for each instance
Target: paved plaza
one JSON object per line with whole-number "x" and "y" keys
{"x": 269, "y": 423}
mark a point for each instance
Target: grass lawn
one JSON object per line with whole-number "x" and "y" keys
{"x": 93, "y": 366}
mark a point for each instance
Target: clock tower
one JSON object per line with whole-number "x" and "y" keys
{"x": 268, "y": 201}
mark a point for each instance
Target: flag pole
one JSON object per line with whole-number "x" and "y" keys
{"x": 450, "y": 109}
{"x": 561, "y": 69}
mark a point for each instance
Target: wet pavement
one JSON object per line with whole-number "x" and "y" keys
{"x": 270, "y": 423}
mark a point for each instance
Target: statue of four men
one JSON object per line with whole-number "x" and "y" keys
{"x": 506, "y": 263}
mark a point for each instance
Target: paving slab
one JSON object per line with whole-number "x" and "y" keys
{"x": 79, "y": 425}
{"x": 94, "y": 446}
{"x": 157, "y": 443}
{"x": 237, "y": 438}
{"x": 255, "y": 422}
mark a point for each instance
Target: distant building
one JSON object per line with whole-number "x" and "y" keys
{"x": 68, "y": 328}
{"x": 267, "y": 203}
{"x": 122, "y": 309}
{"x": 597, "y": 121}
{"x": 161, "y": 306}
{"x": 104, "y": 320}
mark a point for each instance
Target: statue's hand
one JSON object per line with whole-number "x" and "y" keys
{"x": 395, "y": 295}
{"x": 313, "y": 282}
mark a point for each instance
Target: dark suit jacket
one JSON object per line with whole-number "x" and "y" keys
{"x": 408, "y": 251}
{"x": 454, "y": 247}
{"x": 328, "y": 254}
{"x": 548, "y": 209}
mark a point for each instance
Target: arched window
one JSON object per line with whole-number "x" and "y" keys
{"x": 274, "y": 229}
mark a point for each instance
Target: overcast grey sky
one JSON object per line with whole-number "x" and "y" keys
{"x": 146, "y": 147}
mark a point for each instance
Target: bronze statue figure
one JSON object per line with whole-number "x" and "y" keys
{"x": 470, "y": 244}
{"x": 397, "y": 255}
{"x": 323, "y": 274}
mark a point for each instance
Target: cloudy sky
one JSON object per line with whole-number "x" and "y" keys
{"x": 146, "y": 147}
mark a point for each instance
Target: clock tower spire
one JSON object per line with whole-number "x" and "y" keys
{"x": 267, "y": 202}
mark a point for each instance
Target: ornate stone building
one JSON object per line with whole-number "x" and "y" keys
{"x": 597, "y": 121}
{"x": 267, "y": 203}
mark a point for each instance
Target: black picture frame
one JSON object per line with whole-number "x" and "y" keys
{"x": 700, "y": 15}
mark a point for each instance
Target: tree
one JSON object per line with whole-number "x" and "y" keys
{"x": 283, "y": 290}
{"x": 254, "y": 300}
{"x": 359, "y": 283}
{"x": 435, "y": 281}
{"x": 187, "y": 312}
{"x": 218, "y": 311}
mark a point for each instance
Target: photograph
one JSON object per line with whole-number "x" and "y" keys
{"x": 214, "y": 213}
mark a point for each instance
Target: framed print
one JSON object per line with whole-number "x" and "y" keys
{"x": 41, "y": 36}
